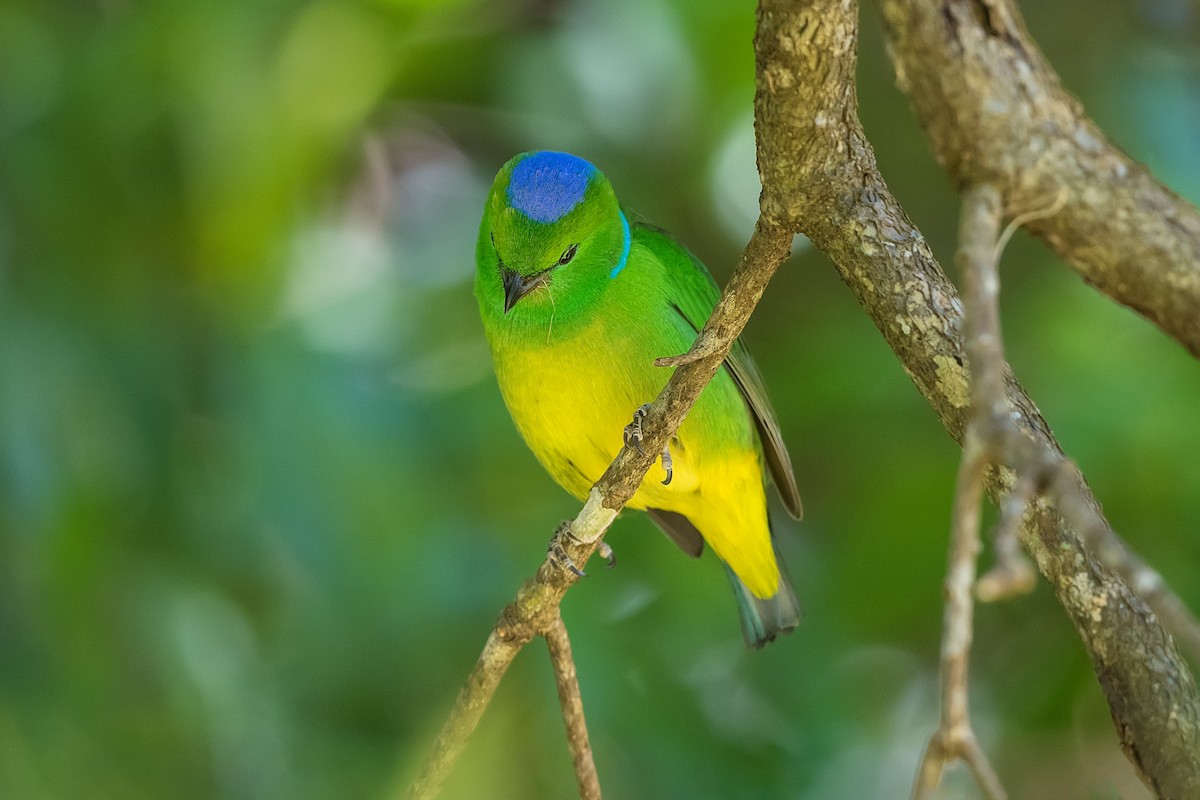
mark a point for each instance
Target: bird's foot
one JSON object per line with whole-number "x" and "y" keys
{"x": 557, "y": 550}
{"x": 666, "y": 462}
{"x": 633, "y": 431}
{"x": 633, "y": 435}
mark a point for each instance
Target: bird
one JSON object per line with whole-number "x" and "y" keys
{"x": 578, "y": 296}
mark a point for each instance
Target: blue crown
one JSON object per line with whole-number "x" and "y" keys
{"x": 545, "y": 185}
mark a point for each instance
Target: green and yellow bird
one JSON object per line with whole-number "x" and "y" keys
{"x": 577, "y": 301}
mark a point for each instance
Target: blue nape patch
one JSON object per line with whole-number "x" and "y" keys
{"x": 545, "y": 186}
{"x": 625, "y": 246}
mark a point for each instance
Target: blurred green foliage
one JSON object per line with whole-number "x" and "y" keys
{"x": 260, "y": 500}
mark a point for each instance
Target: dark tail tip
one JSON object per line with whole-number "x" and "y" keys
{"x": 764, "y": 620}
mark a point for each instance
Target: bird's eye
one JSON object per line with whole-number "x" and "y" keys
{"x": 568, "y": 254}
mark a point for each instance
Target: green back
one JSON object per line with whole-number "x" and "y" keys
{"x": 696, "y": 296}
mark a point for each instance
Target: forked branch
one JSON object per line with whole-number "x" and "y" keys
{"x": 847, "y": 211}
{"x": 819, "y": 176}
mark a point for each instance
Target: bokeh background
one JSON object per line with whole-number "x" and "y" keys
{"x": 260, "y": 500}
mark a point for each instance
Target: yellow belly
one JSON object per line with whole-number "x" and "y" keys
{"x": 571, "y": 403}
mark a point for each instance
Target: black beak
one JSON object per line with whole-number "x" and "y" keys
{"x": 517, "y": 285}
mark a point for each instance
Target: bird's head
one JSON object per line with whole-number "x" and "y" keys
{"x": 552, "y": 234}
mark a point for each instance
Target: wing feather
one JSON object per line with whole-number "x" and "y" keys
{"x": 696, "y": 300}
{"x": 679, "y": 529}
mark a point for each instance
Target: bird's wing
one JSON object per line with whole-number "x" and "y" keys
{"x": 697, "y": 296}
{"x": 680, "y": 529}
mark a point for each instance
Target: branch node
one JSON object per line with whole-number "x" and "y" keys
{"x": 702, "y": 348}
{"x": 1004, "y": 581}
{"x": 1013, "y": 574}
{"x": 1055, "y": 206}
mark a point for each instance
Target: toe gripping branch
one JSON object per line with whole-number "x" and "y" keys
{"x": 559, "y": 553}
{"x": 563, "y": 538}
{"x": 633, "y": 436}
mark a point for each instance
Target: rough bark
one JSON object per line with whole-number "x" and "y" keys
{"x": 819, "y": 177}
{"x": 995, "y": 111}
{"x": 845, "y": 208}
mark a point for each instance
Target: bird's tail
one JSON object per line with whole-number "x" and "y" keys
{"x": 763, "y": 620}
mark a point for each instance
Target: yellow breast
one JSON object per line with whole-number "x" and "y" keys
{"x": 571, "y": 400}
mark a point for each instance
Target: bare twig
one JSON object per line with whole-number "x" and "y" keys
{"x": 992, "y": 439}
{"x": 569, "y": 698}
{"x": 530, "y": 614}
{"x": 954, "y": 738}
{"x": 1041, "y": 212}
{"x": 847, "y": 211}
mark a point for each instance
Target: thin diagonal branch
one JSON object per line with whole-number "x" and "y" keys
{"x": 569, "y": 698}
{"x": 473, "y": 699}
{"x": 536, "y": 606}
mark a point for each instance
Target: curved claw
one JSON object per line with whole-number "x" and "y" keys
{"x": 557, "y": 549}
{"x": 633, "y": 431}
{"x": 633, "y": 435}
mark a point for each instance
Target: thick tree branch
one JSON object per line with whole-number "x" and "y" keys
{"x": 848, "y": 212}
{"x": 995, "y": 111}
{"x": 819, "y": 176}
